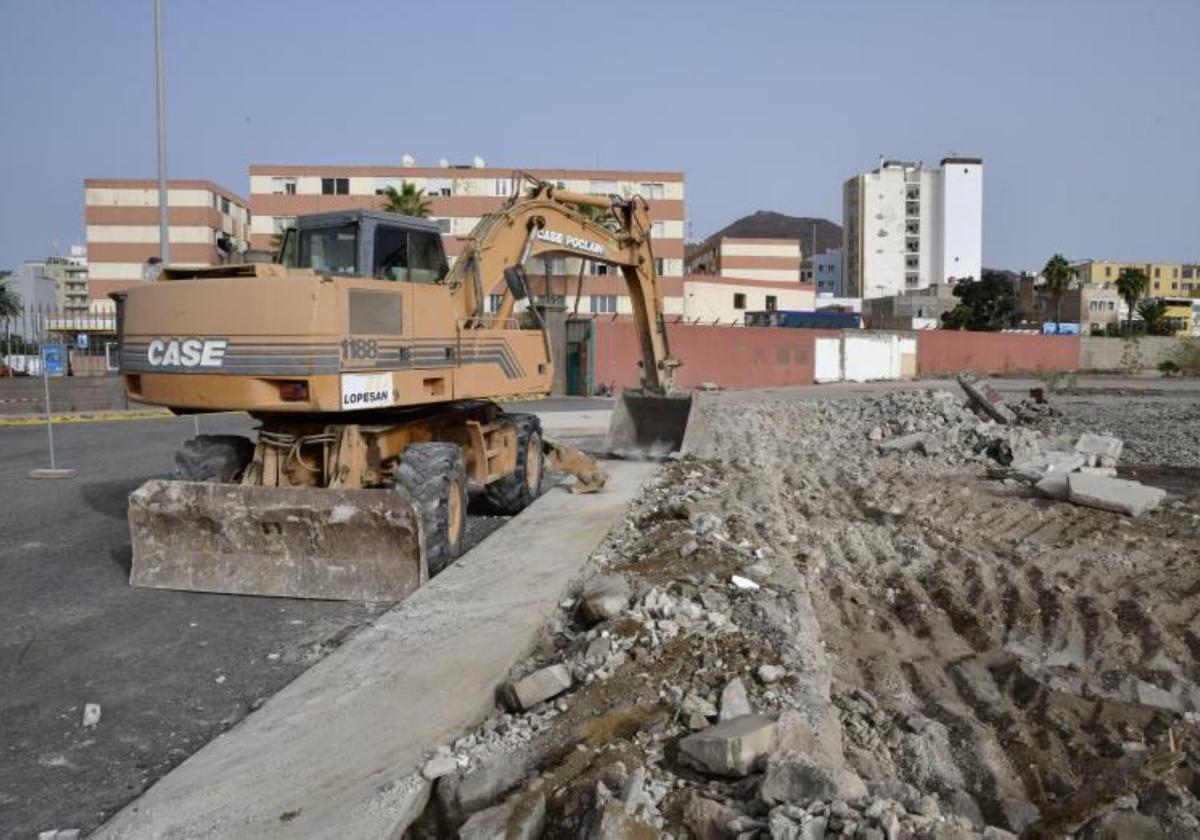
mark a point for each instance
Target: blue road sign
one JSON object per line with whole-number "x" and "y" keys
{"x": 54, "y": 357}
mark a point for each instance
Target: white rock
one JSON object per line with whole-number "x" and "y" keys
{"x": 91, "y": 714}
{"x": 768, "y": 674}
{"x": 744, "y": 584}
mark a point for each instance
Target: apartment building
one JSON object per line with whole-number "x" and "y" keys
{"x": 70, "y": 278}
{"x": 1190, "y": 275}
{"x": 907, "y": 226}
{"x": 827, "y": 274}
{"x": 773, "y": 260}
{"x": 461, "y": 195}
{"x": 208, "y": 224}
{"x": 1166, "y": 279}
{"x": 1093, "y": 306}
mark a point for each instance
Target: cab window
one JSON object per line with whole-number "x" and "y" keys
{"x": 425, "y": 257}
{"x": 391, "y": 254}
{"x": 332, "y": 250}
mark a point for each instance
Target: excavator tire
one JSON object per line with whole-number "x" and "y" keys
{"x": 435, "y": 478}
{"x": 215, "y": 458}
{"x": 513, "y": 493}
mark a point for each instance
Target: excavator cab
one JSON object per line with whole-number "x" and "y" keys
{"x": 366, "y": 243}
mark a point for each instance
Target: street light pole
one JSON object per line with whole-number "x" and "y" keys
{"x": 164, "y": 245}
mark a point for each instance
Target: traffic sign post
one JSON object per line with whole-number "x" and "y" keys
{"x": 53, "y": 356}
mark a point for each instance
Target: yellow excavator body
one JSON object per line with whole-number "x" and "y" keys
{"x": 373, "y": 369}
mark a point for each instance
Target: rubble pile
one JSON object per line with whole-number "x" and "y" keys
{"x": 803, "y": 632}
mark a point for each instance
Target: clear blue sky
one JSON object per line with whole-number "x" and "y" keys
{"x": 1087, "y": 113}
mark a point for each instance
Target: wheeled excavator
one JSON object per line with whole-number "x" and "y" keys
{"x": 374, "y": 373}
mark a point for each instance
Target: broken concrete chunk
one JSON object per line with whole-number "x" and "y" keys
{"x": 539, "y": 686}
{"x": 603, "y": 598}
{"x": 734, "y": 701}
{"x": 1100, "y": 450}
{"x": 1116, "y": 494}
{"x": 796, "y": 780}
{"x": 696, "y": 704}
{"x": 706, "y": 819}
{"x": 768, "y": 674}
{"x": 611, "y": 822}
{"x": 733, "y": 748}
{"x": 438, "y": 766}
{"x": 921, "y": 442}
{"x": 91, "y": 714}
{"x": 744, "y": 584}
{"x": 1032, "y": 469}
{"x": 520, "y": 817}
{"x": 987, "y": 399}
{"x": 1053, "y": 485}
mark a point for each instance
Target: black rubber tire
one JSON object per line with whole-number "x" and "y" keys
{"x": 513, "y": 493}
{"x": 215, "y": 458}
{"x": 433, "y": 474}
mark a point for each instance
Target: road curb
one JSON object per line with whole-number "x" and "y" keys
{"x": 84, "y": 417}
{"x": 334, "y": 753}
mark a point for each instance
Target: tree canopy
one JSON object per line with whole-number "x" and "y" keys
{"x": 987, "y": 305}
{"x": 408, "y": 200}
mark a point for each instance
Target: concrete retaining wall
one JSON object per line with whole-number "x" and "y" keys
{"x": 1138, "y": 353}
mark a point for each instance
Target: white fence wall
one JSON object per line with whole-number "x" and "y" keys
{"x": 858, "y": 356}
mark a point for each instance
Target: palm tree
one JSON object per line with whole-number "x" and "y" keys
{"x": 1058, "y": 274}
{"x": 1154, "y": 315}
{"x": 407, "y": 200}
{"x": 10, "y": 302}
{"x": 1131, "y": 285}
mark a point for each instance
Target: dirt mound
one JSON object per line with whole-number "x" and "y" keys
{"x": 936, "y": 653}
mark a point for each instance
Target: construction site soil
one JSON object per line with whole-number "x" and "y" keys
{"x": 933, "y": 651}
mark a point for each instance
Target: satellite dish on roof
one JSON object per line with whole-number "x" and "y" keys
{"x": 443, "y": 163}
{"x": 408, "y": 160}
{"x": 478, "y": 162}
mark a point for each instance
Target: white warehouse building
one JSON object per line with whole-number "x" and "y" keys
{"x": 907, "y": 226}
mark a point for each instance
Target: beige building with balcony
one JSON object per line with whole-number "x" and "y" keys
{"x": 460, "y": 195}
{"x": 208, "y": 224}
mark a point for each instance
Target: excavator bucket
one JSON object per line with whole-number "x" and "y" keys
{"x": 355, "y": 545}
{"x": 649, "y": 424}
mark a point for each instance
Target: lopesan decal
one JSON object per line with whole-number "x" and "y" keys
{"x": 367, "y": 390}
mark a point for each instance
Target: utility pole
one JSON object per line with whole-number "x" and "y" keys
{"x": 164, "y": 245}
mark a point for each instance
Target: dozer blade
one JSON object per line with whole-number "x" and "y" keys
{"x": 646, "y": 424}
{"x": 355, "y": 545}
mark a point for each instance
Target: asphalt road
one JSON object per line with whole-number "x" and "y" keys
{"x": 169, "y": 670}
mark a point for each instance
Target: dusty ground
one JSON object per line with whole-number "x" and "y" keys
{"x": 986, "y": 661}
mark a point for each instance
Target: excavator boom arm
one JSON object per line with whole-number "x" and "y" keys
{"x": 549, "y": 220}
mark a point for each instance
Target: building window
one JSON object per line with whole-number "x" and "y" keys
{"x": 502, "y": 186}
{"x": 598, "y": 269}
{"x": 437, "y": 187}
{"x": 772, "y": 303}
{"x": 652, "y": 189}
{"x": 658, "y": 230}
{"x": 225, "y": 206}
{"x": 281, "y": 223}
{"x": 739, "y": 300}
{"x": 382, "y": 185}
{"x": 335, "y": 186}
{"x": 659, "y": 266}
{"x": 1157, "y": 271}
{"x": 554, "y": 265}
{"x": 604, "y": 304}
{"x": 604, "y": 188}
{"x": 283, "y": 186}
{"x": 1108, "y": 271}
{"x": 494, "y": 302}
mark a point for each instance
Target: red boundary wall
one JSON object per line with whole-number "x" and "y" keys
{"x": 732, "y": 357}
{"x": 774, "y": 357}
{"x": 946, "y": 351}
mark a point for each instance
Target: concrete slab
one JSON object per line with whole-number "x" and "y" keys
{"x": 338, "y": 752}
{"x": 1116, "y": 494}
